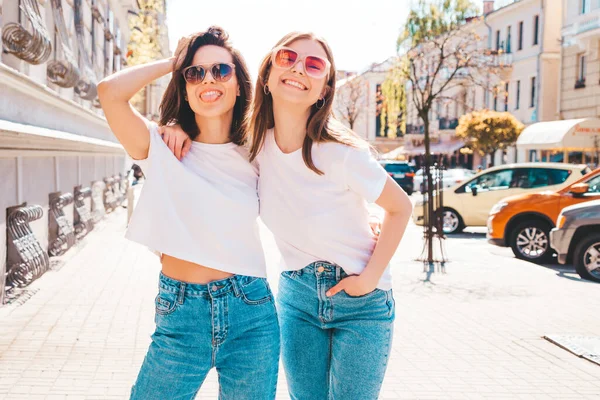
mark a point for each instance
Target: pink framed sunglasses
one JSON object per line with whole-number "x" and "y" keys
{"x": 286, "y": 58}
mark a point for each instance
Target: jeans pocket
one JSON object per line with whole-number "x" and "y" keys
{"x": 256, "y": 292}
{"x": 372, "y": 293}
{"x": 391, "y": 303}
{"x": 165, "y": 302}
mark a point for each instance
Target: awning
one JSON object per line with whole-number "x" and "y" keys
{"x": 565, "y": 134}
{"x": 436, "y": 148}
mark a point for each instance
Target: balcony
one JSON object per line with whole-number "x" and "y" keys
{"x": 582, "y": 26}
{"x": 587, "y": 22}
{"x": 500, "y": 62}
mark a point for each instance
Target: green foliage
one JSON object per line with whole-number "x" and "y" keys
{"x": 144, "y": 41}
{"x": 433, "y": 18}
{"x": 393, "y": 106}
{"x": 488, "y": 131}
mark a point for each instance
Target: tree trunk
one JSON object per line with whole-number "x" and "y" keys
{"x": 430, "y": 200}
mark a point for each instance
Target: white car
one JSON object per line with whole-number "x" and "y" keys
{"x": 450, "y": 177}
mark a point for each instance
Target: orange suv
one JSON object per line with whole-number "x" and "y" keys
{"x": 523, "y": 222}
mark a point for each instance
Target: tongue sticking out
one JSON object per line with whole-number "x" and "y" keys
{"x": 210, "y": 96}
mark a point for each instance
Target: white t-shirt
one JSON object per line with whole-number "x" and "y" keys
{"x": 321, "y": 217}
{"x": 203, "y": 209}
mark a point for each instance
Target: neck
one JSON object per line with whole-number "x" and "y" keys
{"x": 290, "y": 126}
{"x": 214, "y": 130}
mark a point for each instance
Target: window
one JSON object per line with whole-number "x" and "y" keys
{"x": 520, "y": 36}
{"x": 498, "y": 40}
{"x": 520, "y": 178}
{"x": 506, "y": 96}
{"x": 495, "y": 180}
{"x": 541, "y": 177}
{"x": 536, "y": 29}
{"x": 532, "y": 101}
{"x": 508, "y": 40}
{"x": 581, "y": 71}
{"x": 594, "y": 184}
{"x": 518, "y": 97}
{"x": 585, "y": 6}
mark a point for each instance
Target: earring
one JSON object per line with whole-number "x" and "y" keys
{"x": 322, "y": 100}
{"x": 266, "y": 90}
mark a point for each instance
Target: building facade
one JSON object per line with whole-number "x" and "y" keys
{"x": 357, "y": 104}
{"x": 524, "y": 36}
{"x": 580, "y": 72}
{"x": 53, "y": 135}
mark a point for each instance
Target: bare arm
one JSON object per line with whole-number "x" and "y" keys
{"x": 398, "y": 208}
{"x": 115, "y": 91}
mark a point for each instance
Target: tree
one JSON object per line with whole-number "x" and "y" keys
{"x": 439, "y": 51}
{"x": 144, "y": 42}
{"x": 350, "y": 100}
{"x": 393, "y": 107}
{"x": 488, "y": 131}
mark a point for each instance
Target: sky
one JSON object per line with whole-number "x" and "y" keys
{"x": 359, "y": 32}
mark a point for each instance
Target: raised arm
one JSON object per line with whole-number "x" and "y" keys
{"x": 115, "y": 91}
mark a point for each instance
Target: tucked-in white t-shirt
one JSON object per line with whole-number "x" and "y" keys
{"x": 321, "y": 217}
{"x": 203, "y": 209}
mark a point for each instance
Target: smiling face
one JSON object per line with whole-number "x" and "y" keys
{"x": 294, "y": 86}
{"x": 211, "y": 98}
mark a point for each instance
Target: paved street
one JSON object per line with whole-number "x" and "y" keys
{"x": 474, "y": 332}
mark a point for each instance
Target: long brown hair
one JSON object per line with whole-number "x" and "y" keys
{"x": 175, "y": 109}
{"x": 320, "y": 127}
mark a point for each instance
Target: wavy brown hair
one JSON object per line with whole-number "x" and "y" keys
{"x": 321, "y": 125}
{"x": 174, "y": 109}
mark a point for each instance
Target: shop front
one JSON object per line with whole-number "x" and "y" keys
{"x": 575, "y": 141}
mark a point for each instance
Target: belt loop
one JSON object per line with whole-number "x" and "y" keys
{"x": 181, "y": 293}
{"x": 237, "y": 290}
{"x": 338, "y": 273}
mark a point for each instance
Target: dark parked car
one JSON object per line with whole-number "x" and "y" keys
{"x": 576, "y": 238}
{"x": 402, "y": 172}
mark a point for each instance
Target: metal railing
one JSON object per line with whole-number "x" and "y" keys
{"x": 34, "y": 47}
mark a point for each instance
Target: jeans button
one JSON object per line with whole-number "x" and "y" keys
{"x": 214, "y": 288}
{"x": 320, "y": 269}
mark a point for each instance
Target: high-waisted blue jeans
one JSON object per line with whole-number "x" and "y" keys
{"x": 230, "y": 324}
{"x": 332, "y": 347}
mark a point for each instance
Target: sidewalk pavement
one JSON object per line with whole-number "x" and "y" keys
{"x": 474, "y": 332}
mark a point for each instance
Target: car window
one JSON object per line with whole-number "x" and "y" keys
{"x": 495, "y": 180}
{"x": 520, "y": 178}
{"x": 397, "y": 168}
{"x": 540, "y": 177}
{"x": 594, "y": 184}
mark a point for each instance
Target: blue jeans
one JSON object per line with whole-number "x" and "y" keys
{"x": 336, "y": 347}
{"x": 230, "y": 324}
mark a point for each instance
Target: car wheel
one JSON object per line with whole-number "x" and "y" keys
{"x": 409, "y": 191}
{"x": 587, "y": 258}
{"x": 531, "y": 241}
{"x": 452, "y": 221}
